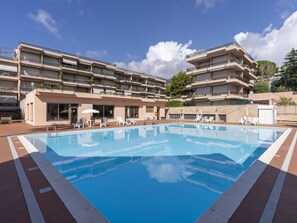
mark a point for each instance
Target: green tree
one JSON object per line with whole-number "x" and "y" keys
{"x": 174, "y": 103}
{"x": 266, "y": 69}
{"x": 282, "y": 89}
{"x": 285, "y": 101}
{"x": 178, "y": 83}
{"x": 261, "y": 87}
{"x": 288, "y": 71}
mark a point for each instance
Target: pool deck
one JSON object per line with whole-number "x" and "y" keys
{"x": 273, "y": 196}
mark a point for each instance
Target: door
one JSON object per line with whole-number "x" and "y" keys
{"x": 73, "y": 115}
{"x": 158, "y": 113}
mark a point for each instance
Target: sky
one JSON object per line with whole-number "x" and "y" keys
{"x": 153, "y": 36}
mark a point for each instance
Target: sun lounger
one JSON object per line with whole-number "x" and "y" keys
{"x": 104, "y": 122}
{"x": 120, "y": 121}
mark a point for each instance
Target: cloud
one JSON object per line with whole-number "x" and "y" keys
{"x": 95, "y": 53}
{"x": 46, "y": 20}
{"x": 207, "y": 3}
{"x": 167, "y": 169}
{"x": 163, "y": 59}
{"x": 286, "y": 7}
{"x": 273, "y": 44}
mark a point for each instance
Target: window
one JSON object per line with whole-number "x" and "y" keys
{"x": 57, "y": 112}
{"x": 104, "y": 111}
{"x": 132, "y": 111}
{"x": 149, "y": 109}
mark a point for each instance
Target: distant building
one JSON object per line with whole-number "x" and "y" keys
{"x": 223, "y": 75}
{"x": 64, "y": 84}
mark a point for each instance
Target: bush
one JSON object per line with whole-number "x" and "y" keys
{"x": 261, "y": 87}
{"x": 15, "y": 115}
{"x": 174, "y": 103}
{"x": 282, "y": 89}
{"x": 285, "y": 101}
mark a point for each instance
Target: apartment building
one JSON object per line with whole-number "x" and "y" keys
{"x": 62, "y": 84}
{"x": 223, "y": 75}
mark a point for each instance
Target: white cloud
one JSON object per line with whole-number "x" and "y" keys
{"x": 46, "y": 20}
{"x": 273, "y": 44}
{"x": 286, "y": 7}
{"x": 163, "y": 59}
{"x": 95, "y": 53}
{"x": 167, "y": 169}
{"x": 207, "y": 3}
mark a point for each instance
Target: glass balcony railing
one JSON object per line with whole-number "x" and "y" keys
{"x": 36, "y": 61}
{"x": 4, "y": 73}
{"x": 2, "y": 88}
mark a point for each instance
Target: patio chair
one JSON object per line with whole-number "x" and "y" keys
{"x": 130, "y": 121}
{"x": 255, "y": 121}
{"x": 120, "y": 121}
{"x": 104, "y": 122}
{"x": 198, "y": 118}
{"x": 79, "y": 124}
{"x": 209, "y": 120}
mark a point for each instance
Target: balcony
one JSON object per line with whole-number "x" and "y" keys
{"x": 31, "y": 62}
{"x": 74, "y": 82}
{"x": 4, "y": 89}
{"x": 8, "y": 106}
{"x": 78, "y": 69}
{"x": 212, "y": 96}
{"x": 25, "y": 75}
{"x": 104, "y": 76}
{"x": 8, "y": 75}
{"x": 51, "y": 66}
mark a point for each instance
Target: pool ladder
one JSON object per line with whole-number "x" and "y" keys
{"x": 54, "y": 131}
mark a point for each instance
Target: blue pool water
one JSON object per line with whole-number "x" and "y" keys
{"x": 161, "y": 173}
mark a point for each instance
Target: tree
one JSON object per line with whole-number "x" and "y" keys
{"x": 266, "y": 69}
{"x": 261, "y": 87}
{"x": 282, "y": 89}
{"x": 174, "y": 103}
{"x": 288, "y": 71}
{"x": 178, "y": 83}
{"x": 285, "y": 101}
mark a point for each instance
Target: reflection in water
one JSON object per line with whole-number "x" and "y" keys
{"x": 167, "y": 169}
{"x": 174, "y": 171}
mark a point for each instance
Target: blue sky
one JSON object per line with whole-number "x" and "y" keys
{"x": 150, "y": 36}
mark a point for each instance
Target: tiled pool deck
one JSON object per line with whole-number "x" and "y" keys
{"x": 268, "y": 198}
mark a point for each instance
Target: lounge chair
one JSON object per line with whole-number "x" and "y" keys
{"x": 80, "y": 123}
{"x": 243, "y": 120}
{"x": 198, "y": 118}
{"x": 255, "y": 121}
{"x": 209, "y": 120}
{"x": 104, "y": 122}
{"x": 120, "y": 121}
{"x": 130, "y": 122}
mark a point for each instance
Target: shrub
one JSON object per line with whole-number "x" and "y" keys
{"x": 283, "y": 89}
{"x": 174, "y": 103}
{"x": 261, "y": 87}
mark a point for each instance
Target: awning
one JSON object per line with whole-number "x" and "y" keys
{"x": 8, "y": 68}
{"x": 69, "y": 61}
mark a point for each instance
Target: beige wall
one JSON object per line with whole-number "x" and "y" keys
{"x": 272, "y": 97}
{"x": 232, "y": 112}
{"x": 84, "y": 101}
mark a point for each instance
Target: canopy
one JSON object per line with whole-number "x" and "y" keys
{"x": 90, "y": 111}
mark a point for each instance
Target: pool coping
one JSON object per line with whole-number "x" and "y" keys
{"x": 223, "y": 208}
{"x": 79, "y": 207}
{"x": 220, "y": 211}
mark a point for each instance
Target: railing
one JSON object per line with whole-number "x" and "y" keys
{"x": 225, "y": 93}
{"x": 76, "y": 67}
{"x": 4, "y": 73}
{"x": 7, "y": 53}
{"x": 8, "y": 88}
{"x": 51, "y": 64}
{"x": 24, "y": 59}
{"x": 27, "y": 89}
{"x": 217, "y": 47}
{"x": 8, "y": 104}
{"x": 77, "y": 81}
{"x": 62, "y": 52}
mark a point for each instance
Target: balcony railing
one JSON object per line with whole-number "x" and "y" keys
{"x": 225, "y": 93}
{"x": 8, "y": 104}
{"x": 51, "y": 64}
{"x": 76, "y": 67}
{"x": 2, "y": 88}
{"x": 4, "y": 73}
{"x": 24, "y": 59}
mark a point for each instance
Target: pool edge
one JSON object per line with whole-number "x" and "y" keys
{"x": 78, "y": 206}
{"x": 222, "y": 210}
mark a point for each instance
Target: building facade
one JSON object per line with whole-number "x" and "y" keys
{"x": 63, "y": 84}
{"x": 222, "y": 75}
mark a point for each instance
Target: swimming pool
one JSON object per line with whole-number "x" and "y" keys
{"x": 161, "y": 173}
